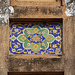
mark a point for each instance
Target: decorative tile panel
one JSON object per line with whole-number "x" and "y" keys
{"x": 36, "y": 38}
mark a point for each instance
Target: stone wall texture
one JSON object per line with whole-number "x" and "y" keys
{"x": 66, "y": 64}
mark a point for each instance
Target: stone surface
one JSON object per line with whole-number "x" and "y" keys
{"x": 36, "y": 64}
{"x": 37, "y": 9}
{"x": 69, "y": 45}
{"x": 5, "y": 12}
{"x": 70, "y": 7}
{"x": 66, "y": 63}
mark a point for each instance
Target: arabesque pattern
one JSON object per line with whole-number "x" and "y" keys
{"x": 35, "y": 39}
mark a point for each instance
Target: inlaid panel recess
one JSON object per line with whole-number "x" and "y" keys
{"x": 36, "y": 38}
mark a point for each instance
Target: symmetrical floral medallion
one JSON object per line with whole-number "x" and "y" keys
{"x": 36, "y": 39}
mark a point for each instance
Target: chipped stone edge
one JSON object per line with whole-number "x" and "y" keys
{"x": 70, "y": 7}
{"x": 5, "y": 12}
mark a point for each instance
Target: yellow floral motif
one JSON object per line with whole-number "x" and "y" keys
{"x": 13, "y": 50}
{"x": 13, "y": 38}
{"x": 52, "y": 50}
{"x": 35, "y": 46}
{"x": 16, "y": 30}
{"x": 19, "y": 32}
{"x": 54, "y": 45}
{"x": 36, "y": 38}
{"x": 57, "y": 27}
{"x": 23, "y": 38}
{"x": 58, "y": 38}
{"x": 14, "y": 26}
{"x": 48, "y": 38}
{"x": 16, "y": 46}
{"x": 54, "y": 31}
{"x": 36, "y": 30}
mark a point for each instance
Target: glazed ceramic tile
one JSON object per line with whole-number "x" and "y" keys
{"x": 33, "y": 39}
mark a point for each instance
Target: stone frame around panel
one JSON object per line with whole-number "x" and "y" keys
{"x": 47, "y": 56}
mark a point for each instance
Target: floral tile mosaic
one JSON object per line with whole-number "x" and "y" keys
{"x": 35, "y": 39}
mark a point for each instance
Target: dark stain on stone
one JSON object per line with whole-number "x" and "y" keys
{"x": 29, "y": 67}
{"x": 25, "y": 10}
{"x": 10, "y": 64}
{"x": 55, "y": 11}
{"x": 20, "y": 10}
{"x": 55, "y": 59}
{"x": 33, "y": 10}
{"x": 36, "y": 64}
{"x": 37, "y": 9}
{"x": 44, "y": 10}
{"x": 50, "y": 11}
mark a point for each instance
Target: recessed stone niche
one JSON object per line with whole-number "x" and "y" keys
{"x": 41, "y": 38}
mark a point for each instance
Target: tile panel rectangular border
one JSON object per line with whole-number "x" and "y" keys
{"x": 56, "y": 20}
